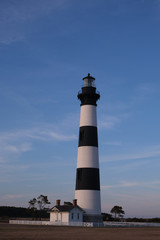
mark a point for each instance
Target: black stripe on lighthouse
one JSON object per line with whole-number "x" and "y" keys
{"x": 87, "y": 179}
{"x": 88, "y": 136}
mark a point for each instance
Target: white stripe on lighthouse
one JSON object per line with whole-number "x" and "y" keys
{"x": 87, "y": 157}
{"x": 89, "y": 201}
{"x": 88, "y": 116}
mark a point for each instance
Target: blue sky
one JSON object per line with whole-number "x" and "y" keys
{"x": 46, "y": 48}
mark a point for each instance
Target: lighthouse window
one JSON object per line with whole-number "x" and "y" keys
{"x": 72, "y": 215}
{"x": 88, "y": 83}
{"x": 77, "y": 215}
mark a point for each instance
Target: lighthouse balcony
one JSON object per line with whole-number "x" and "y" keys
{"x": 87, "y": 90}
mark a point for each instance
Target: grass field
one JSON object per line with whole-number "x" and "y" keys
{"x": 27, "y": 232}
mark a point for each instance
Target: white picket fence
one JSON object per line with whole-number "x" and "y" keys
{"x": 78, "y": 224}
{"x": 28, "y": 222}
{"x": 130, "y": 224}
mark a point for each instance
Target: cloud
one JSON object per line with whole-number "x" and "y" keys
{"x": 153, "y": 151}
{"x": 108, "y": 122}
{"x": 44, "y": 133}
{"x": 112, "y": 143}
{"x": 143, "y": 92}
{"x": 14, "y": 143}
{"x": 61, "y": 137}
{"x": 4, "y": 167}
{"x": 132, "y": 184}
{"x": 16, "y": 15}
{"x": 25, "y": 147}
{"x": 48, "y": 135}
{"x": 146, "y": 88}
{"x": 3, "y": 180}
{"x": 119, "y": 185}
{"x": 14, "y": 196}
{"x": 1, "y": 159}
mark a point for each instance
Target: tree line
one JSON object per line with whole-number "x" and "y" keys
{"x": 116, "y": 214}
{"x": 21, "y": 212}
{"x": 38, "y": 209}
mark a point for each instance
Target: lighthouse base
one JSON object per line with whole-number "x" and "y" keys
{"x": 92, "y": 218}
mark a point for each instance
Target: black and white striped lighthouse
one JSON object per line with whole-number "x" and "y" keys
{"x": 87, "y": 190}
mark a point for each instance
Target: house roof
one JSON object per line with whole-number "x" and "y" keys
{"x": 65, "y": 208}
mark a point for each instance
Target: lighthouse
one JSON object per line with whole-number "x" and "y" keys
{"x": 87, "y": 190}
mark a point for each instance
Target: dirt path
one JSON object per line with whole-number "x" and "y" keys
{"x": 26, "y": 232}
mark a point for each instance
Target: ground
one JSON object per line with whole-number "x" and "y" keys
{"x": 28, "y": 232}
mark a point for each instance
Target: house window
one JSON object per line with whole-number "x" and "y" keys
{"x": 72, "y": 216}
{"x": 77, "y": 215}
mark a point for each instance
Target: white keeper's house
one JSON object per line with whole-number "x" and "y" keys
{"x": 66, "y": 213}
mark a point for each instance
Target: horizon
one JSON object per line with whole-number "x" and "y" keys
{"x": 46, "y": 48}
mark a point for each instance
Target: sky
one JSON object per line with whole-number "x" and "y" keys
{"x": 46, "y": 48}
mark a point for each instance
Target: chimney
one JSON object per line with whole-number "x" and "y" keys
{"x": 74, "y": 202}
{"x": 58, "y": 202}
